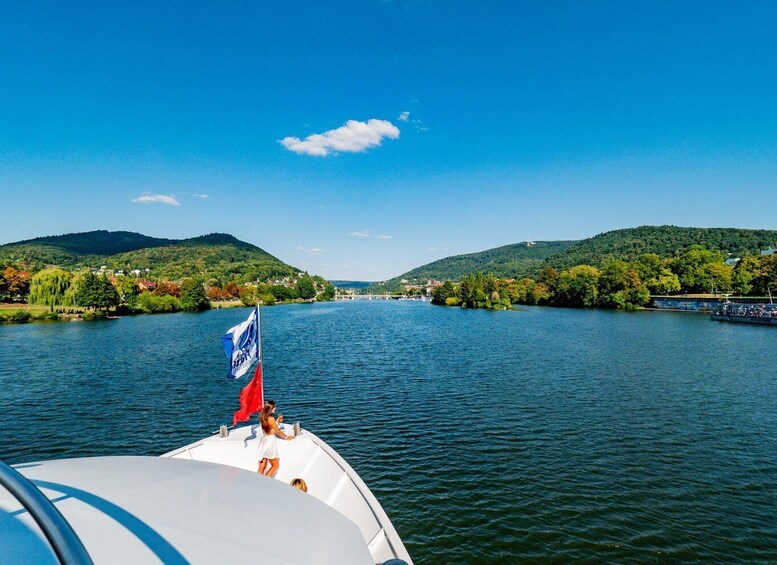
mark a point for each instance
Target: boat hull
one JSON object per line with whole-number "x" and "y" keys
{"x": 770, "y": 321}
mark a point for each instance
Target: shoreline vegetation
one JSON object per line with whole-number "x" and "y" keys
{"x": 101, "y": 274}
{"x": 56, "y": 294}
{"x": 617, "y": 285}
{"x": 20, "y": 313}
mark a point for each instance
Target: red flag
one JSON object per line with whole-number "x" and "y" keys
{"x": 251, "y": 397}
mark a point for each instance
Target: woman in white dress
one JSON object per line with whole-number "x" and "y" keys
{"x": 267, "y": 453}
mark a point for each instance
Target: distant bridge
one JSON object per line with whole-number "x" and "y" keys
{"x": 380, "y": 297}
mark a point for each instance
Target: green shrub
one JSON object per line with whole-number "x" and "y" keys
{"x": 452, "y": 301}
{"x": 248, "y": 296}
{"x": 327, "y": 294}
{"x": 46, "y": 315}
{"x": 193, "y": 296}
{"x": 281, "y": 292}
{"x": 18, "y": 316}
{"x": 92, "y": 315}
{"x": 151, "y": 303}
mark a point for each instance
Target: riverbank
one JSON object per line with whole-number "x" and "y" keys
{"x": 16, "y": 313}
{"x": 22, "y": 313}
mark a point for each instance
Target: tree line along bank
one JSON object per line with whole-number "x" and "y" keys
{"x": 619, "y": 284}
{"x": 67, "y": 292}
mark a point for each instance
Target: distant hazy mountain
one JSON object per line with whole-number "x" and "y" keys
{"x": 213, "y": 255}
{"x": 356, "y": 285}
{"x": 521, "y": 259}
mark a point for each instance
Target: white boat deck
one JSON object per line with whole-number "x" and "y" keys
{"x": 328, "y": 476}
{"x": 129, "y": 510}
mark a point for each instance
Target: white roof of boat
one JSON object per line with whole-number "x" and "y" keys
{"x": 329, "y": 478}
{"x": 156, "y": 509}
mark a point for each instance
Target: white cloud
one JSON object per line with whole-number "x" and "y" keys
{"x": 353, "y": 137}
{"x": 366, "y": 233}
{"x": 200, "y": 195}
{"x": 156, "y": 199}
{"x": 312, "y": 251}
{"x": 403, "y": 117}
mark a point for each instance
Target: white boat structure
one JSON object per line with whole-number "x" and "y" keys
{"x": 202, "y": 503}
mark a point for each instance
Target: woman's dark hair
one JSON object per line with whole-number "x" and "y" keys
{"x": 264, "y": 416}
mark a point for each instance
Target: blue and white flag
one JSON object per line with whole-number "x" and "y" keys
{"x": 241, "y": 345}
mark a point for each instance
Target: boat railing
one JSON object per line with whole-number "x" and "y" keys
{"x": 65, "y": 543}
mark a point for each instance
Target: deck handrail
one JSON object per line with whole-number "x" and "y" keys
{"x": 62, "y": 538}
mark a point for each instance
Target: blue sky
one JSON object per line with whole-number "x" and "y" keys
{"x": 493, "y": 123}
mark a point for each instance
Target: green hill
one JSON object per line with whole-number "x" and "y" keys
{"x": 512, "y": 261}
{"x": 664, "y": 241}
{"x": 220, "y": 256}
{"x": 520, "y": 260}
{"x": 73, "y": 249}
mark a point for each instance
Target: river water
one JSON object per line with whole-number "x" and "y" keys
{"x": 538, "y": 434}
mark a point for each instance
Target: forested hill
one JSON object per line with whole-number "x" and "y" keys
{"x": 521, "y": 260}
{"x": 69, "y": 250}
{"x": 213, "y": 255}
{"x": 664, "y": 241}
{"x": 516, "y": 260}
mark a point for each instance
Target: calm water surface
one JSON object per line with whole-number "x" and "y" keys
{"x": 489, "y": 437}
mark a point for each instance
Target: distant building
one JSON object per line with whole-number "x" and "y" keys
{"x": 769, "y": 251}
{"x": 146, "y": 285}
{"x": 732, "y": 261}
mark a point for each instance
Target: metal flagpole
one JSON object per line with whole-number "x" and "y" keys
{"x": 259, "y": 345}
{"x": 248, "y": 395}
{"x": 259, "y": 332}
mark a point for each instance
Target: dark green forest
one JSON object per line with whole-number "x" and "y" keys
{"x": 664, "y": 241}
{"x": 521, "y": 260}
{"x": 219, "y": 256}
